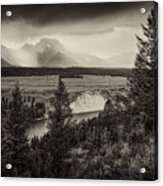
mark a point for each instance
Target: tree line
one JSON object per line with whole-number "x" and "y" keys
{"x": 71, "y": 72}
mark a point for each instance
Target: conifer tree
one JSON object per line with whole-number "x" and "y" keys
{"x": 143, "y": 81}
{"x": 143, "y": 92}
{"x": 15, "y": 148}
{"x": 59, "y": 128}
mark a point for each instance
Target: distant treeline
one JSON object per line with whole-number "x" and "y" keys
{"x": 71, "y": 76}
{"x": 72, "y": 71}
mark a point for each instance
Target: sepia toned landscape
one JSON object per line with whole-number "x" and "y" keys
{"x": 79, "y": 91}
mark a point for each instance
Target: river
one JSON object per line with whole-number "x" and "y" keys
{"x": 86, "y": 106}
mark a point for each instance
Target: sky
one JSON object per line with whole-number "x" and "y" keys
{"x": 101, "y": 29}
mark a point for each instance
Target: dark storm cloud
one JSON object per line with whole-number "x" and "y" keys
{"x": 100, "y": 29}
{"x": 52, "y": 13}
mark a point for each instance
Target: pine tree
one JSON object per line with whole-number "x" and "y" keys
{"x": 15, "y": 148}
{"x": 59, "y": 129}
{"x": 143, "y": 93}
{"x": 143, "y": 81}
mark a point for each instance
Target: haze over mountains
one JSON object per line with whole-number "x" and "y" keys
{"x": 52, "y": 53}
{"x": 4, "y": 63}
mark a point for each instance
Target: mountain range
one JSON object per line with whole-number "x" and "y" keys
{"x": 52, "y": 53}
{"x": 4, "y": 63}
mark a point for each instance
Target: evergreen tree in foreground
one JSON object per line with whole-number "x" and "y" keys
{"x": 59, "y": 129}
{"x": 143, "y": 92}
{"x": 15, "y": 148}
{"x": 143, "y": 81}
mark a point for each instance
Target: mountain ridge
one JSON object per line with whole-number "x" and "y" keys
{"x": 52, "y": 53}
{"x": 4, "y": 63}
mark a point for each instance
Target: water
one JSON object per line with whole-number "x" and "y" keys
{"x": 38, "y": 129}
{"x": 41, "y": 127}
{"x": 86, "y": 106}
{"x": 84, "y": 116}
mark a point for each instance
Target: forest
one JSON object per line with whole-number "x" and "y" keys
{"x": 68, "y": 72}
{"x": 114, "y": 145}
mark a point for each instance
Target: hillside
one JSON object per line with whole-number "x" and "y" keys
{"x": 4, "y": 63}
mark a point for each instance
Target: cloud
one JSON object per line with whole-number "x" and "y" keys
{"x": 47, "y": 13}
{"x": 103, "y": 40}
{"x": 102, "y": 29}
{"x": 16, "y": 33}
